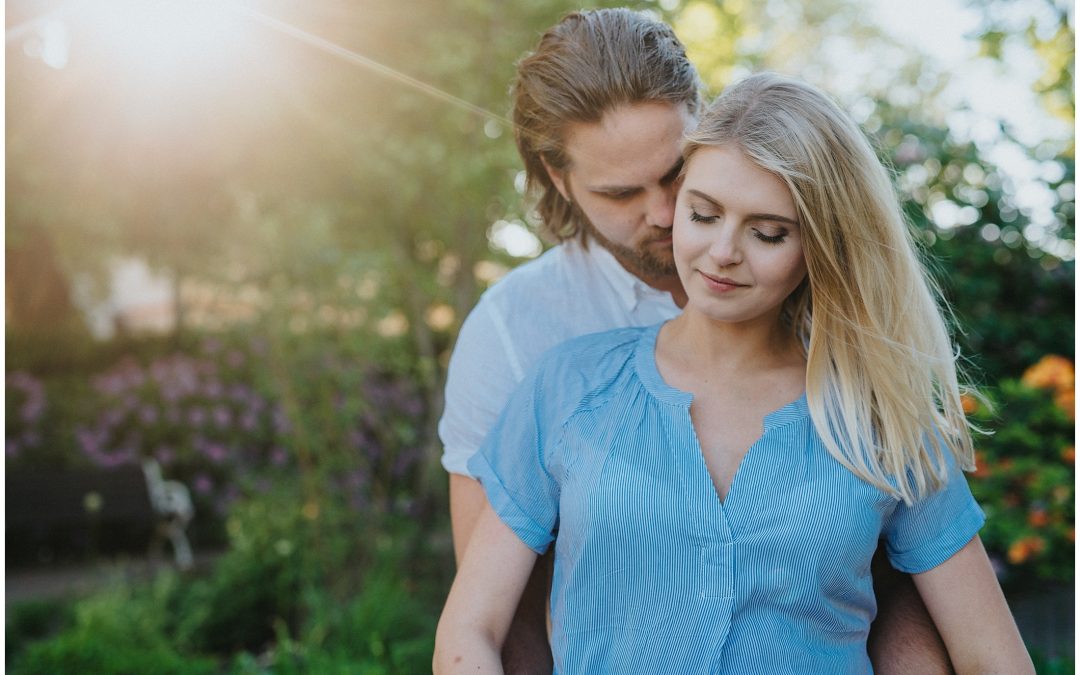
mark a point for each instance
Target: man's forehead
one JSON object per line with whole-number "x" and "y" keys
{"x": 632, "y": 145}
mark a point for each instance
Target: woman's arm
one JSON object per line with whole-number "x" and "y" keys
{"x": 964, "y": 598}
{"x": 485, "y": 593}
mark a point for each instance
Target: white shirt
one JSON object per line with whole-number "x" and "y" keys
{"x": 567, "y": 292}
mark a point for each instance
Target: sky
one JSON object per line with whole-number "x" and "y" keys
{"x": 939, "y": 29}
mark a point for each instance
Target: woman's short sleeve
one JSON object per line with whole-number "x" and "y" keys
{"x": 921, "y": 536}
{"x": 512, "y": 464}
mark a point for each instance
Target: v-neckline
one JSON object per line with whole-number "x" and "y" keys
{"x": 649, "y": 372}
{"x": 786, "y": 413}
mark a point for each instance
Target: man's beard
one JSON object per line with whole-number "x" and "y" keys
{"x": 645, "y": 259}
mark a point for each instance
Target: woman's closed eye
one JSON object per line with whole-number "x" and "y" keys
{"x": 771, "y": 238}
{"x": 698, "y": 218}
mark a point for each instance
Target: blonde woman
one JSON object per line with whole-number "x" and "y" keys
{"x": 716, "y": 485}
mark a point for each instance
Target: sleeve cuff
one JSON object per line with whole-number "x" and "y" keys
{"x": 528, "y": 530}
{"x": 457, "y": 461}
{"x": 931, "y": 554}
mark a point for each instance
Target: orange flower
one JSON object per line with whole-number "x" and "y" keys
{"x": 1023, "y": 549}
{"x": 969, "y": 403}
{"x": 1068, "y": 454}
{"x": 1066, "y": 400}
{"x": 1071, "y": 534}
{"x": 1038, "y": 518}
{"x": 1051, "y": 372}
{"x": 1018, "y": 552}
{"x": 982, "y": 465}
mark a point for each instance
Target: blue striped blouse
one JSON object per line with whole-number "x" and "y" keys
{"x": 653, "y": 573}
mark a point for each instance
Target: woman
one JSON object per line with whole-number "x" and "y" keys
{"x": 716, "y": 485}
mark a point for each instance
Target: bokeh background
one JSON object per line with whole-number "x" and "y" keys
{"x": 241, "y": 237}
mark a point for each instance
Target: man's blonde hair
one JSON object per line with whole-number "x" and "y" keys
{"x": 881, "y": 375}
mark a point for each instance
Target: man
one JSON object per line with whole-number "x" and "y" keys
{"x": 600, "y": 109}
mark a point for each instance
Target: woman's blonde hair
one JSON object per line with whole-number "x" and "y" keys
{"x": 881, "y": 376}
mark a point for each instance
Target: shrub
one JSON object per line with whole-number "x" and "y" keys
{"x": 228, "y": 415}
{"x": 1025, "y": 475}
{"x": 120, "y": 631}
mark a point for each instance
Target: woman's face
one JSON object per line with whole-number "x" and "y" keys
{"x": 737, "y": 240}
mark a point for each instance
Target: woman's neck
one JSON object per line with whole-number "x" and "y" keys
{"x": 692, "y": 342}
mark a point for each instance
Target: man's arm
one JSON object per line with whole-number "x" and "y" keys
{"x": 526, "y": 649}
{"x": 903, "y": 638}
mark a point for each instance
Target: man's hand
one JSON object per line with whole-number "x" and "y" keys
{"x": 526, "y": 649}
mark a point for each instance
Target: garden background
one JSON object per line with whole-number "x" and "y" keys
{"x": 323, "y": 190}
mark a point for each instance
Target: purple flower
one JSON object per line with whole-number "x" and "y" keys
{"x": 249, "y": 421}
{"x": 412, "y": 406}
{"x": 281, "y": 421}
{"x": 148, "y": 414}
{"x": 235, "y": 359}
{"x": 115, "y": 459}
{"x": 356, "y": 479}
{"x": 222, "y": 416}
{"x": 405, "y": 461}
{"x": 211, "y": 345}
{"x": 206, "y": 368}
{"x": 239, "y": 393}
{"x": 215, "y": 452}
{"x": 197, "y": 417}
{"x": 11, "y": 448}
{"x": 279, "y": 456}
{"x": 213, "y": 389}
{"x": 91, "y": 442}
{"x": 34, "y": 392}
{"x": 112, "y": 417}
{"x": 203, "y": 484}
{"x": 259, "y": 345}
{"x": 165, "y": 455}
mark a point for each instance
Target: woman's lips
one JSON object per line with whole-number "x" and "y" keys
{"x": 721, "y": 284}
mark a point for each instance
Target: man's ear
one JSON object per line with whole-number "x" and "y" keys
{"x": 558, "y": 178}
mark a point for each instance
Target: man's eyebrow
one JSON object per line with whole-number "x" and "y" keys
{"x": 753, "y": 216}
{"x": 671, "y": 175}
{"x": 614, "y": 188}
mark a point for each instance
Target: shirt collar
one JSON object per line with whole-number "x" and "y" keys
{"x": 630, "y": 290}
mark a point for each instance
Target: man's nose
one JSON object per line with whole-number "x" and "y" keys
{"x": 661, "y": 208}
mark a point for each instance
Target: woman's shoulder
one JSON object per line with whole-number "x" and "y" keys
{"x": 584, "y": 365}
{"x": 595, "y": 351}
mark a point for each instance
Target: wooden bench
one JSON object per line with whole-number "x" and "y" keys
{"x": 84, "y": 512}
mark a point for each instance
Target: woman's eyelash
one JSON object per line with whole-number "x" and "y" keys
{"x": 767, "y": 238}
{"x": 770, "y": 239}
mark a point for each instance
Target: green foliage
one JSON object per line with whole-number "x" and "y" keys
{"x": 1024, "y": 481}
{"x": 384, "y": 630}
{"x": 302, "y": 589}
{"x": 1059, "y": 665}
{"x": 117, "y": 632}
{"x": 32, "y": 621}
{"x": 1011, "y": 298}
